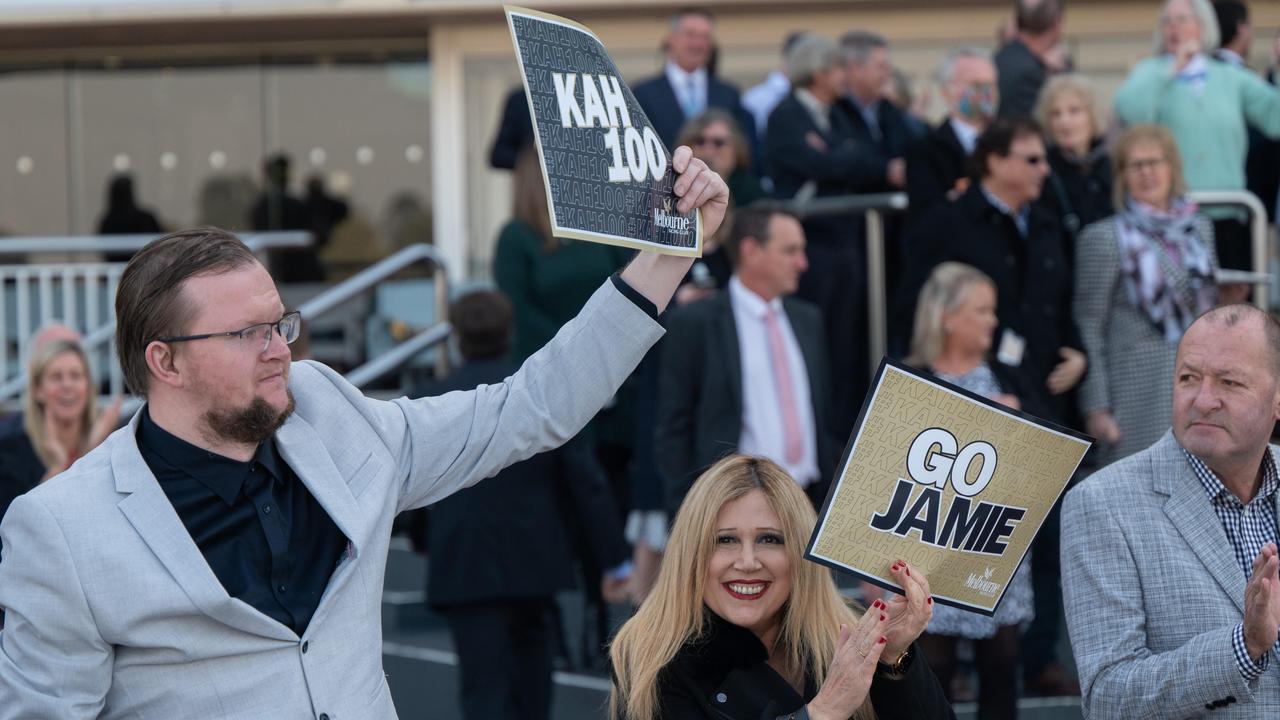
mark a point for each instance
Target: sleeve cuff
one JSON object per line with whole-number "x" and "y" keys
{"x": 634, "y": 296}
{"x": 1250, "y": 669}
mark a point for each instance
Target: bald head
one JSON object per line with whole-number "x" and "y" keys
{"x": 1245, "y": 318}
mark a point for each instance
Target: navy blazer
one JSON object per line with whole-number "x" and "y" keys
{"x": 935, "y": 163}
{"x": 658, "y": 100}
{"x": 1033, "y": 278}
{"x": 505, "y": 537}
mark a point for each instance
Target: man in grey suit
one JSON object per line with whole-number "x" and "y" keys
{"x": 223, "y": 555}
{"x": 1169, "y": 556}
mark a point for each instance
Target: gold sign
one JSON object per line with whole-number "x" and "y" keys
{"x": 953, "y": 483}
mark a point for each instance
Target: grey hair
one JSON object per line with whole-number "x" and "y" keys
{"x": 1205, "y": 16}
{"x": 811, "y": 55}
{"x": 673, "y": 22}
{"x": 859, "y": 44}
{"x": 1068, "y": 83}
{"x": 947, "y": 287}
{"x": 947, "y": 68}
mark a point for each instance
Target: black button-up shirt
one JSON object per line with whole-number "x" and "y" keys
{"x": 263, "y": 533}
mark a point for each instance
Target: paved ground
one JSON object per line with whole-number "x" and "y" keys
{"x": 421, "y": 667}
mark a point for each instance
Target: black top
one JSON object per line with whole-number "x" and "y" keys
{"x": 1033, "y": 278}
{"x": 1020, "y": 76}
{"x": 260, "y": 529}
{"x": 505, "y": 537}
{"x": 935, "y": 164}
{"x": 20, "y": 467}
{"x": 725, "y": 675}
{"x": 1079, "y": 188}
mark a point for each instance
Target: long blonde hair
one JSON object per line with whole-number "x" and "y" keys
{"x": 674, "y": 614}
{"x": 944, "y": 291}
{"x": 33, "y": 412}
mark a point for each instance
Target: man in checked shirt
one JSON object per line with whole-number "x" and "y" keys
{"x": 1169, "y": 556}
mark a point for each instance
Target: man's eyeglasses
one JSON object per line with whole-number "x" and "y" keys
{"x": 715, "y": 142}
{"x": 255, "y": 336}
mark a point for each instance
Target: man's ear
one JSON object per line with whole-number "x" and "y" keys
{"x": 162, "y": 363}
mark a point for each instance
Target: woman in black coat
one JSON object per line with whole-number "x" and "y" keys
{"x": 1080, "y": 185}
{"x": 741, "y": 627}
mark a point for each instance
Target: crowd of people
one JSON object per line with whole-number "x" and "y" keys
{"x": 1050, "y": 260}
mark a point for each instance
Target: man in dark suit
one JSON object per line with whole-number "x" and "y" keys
{"x": 745, "y": 370}
{"x": 998, "y": 227}
{"x": 686, "y": 87}
{"x": 812, "y": 152}
{"x": 879, "y": 126}
{"x": 497, "y": 550}
{"x": 1025, "y": 62}
{"x": 936, "y": 163}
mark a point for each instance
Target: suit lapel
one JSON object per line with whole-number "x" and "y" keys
{"x": 152, "y": 515}
{"x": 727, "y": 331}
{"x": 301, "y": 447}
{"x": 1189, "y": 511}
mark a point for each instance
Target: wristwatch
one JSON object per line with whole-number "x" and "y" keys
{"x": 899, "y": 666}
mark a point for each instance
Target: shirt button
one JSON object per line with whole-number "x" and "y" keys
{"x": 282, "y": 588}
{"x": 266, "y": 509}
{"x": 324, "y": 716}
{"x": 721, "y": 697}
{"x": 305, "y": 645}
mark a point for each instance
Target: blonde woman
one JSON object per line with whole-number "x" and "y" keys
{"x": 955, "y": 321}
{"x": 739, "y": 625}
{"x": 59, "y": 422}
{"x": 1080, "y": 184}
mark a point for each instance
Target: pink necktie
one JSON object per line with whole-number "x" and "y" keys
{"x": 786, "y": 393}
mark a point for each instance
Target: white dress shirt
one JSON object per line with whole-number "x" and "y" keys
{"x": 760, "y": 100}
{"x": 681, "y": 82}
{"x": 966, "y": 133}
{"x": 762, "y": 427}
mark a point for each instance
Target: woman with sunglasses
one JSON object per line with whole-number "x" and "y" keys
{"x": 1144, "y": 274}
{"x": 997, "y": 227}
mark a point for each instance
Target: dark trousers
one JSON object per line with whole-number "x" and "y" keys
{"x": 1234, "y": 243}
{"x": 837, "y": 283}
{"x": 504, "y": 658}
{"x": 995, "y": 657}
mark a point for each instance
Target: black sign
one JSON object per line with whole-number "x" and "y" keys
{"x": 609, "y": 177}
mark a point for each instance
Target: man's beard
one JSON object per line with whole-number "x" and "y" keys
{"x": 250, "y": 425}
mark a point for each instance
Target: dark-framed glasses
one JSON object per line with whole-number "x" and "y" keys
{"x": 256, "y": 336}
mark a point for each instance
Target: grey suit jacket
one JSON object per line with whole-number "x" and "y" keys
{"x": 1153, "y": 594}
{"x": 113, "y": 612}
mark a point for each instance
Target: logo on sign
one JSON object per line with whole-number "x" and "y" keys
{"x": 663, "y": 218}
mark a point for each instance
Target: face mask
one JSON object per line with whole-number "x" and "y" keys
{"x": 978, "y": 102}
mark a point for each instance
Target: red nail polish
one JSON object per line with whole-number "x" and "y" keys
{"x": 930, "y": 601}
{"x": 883, "y": 640}
{"x": 882, "y": 618}
{"x": 904, "y": 567}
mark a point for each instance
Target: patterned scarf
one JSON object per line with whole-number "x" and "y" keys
{"x": 1154, "y": 246}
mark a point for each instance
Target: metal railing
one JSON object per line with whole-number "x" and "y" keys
{"x": 364, "y": 281}
{"x": 77, "y": 285}
{"x": 88, "y": 244}
{"x": 1261, "y": 249}
{"x": 874, "y": 207}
